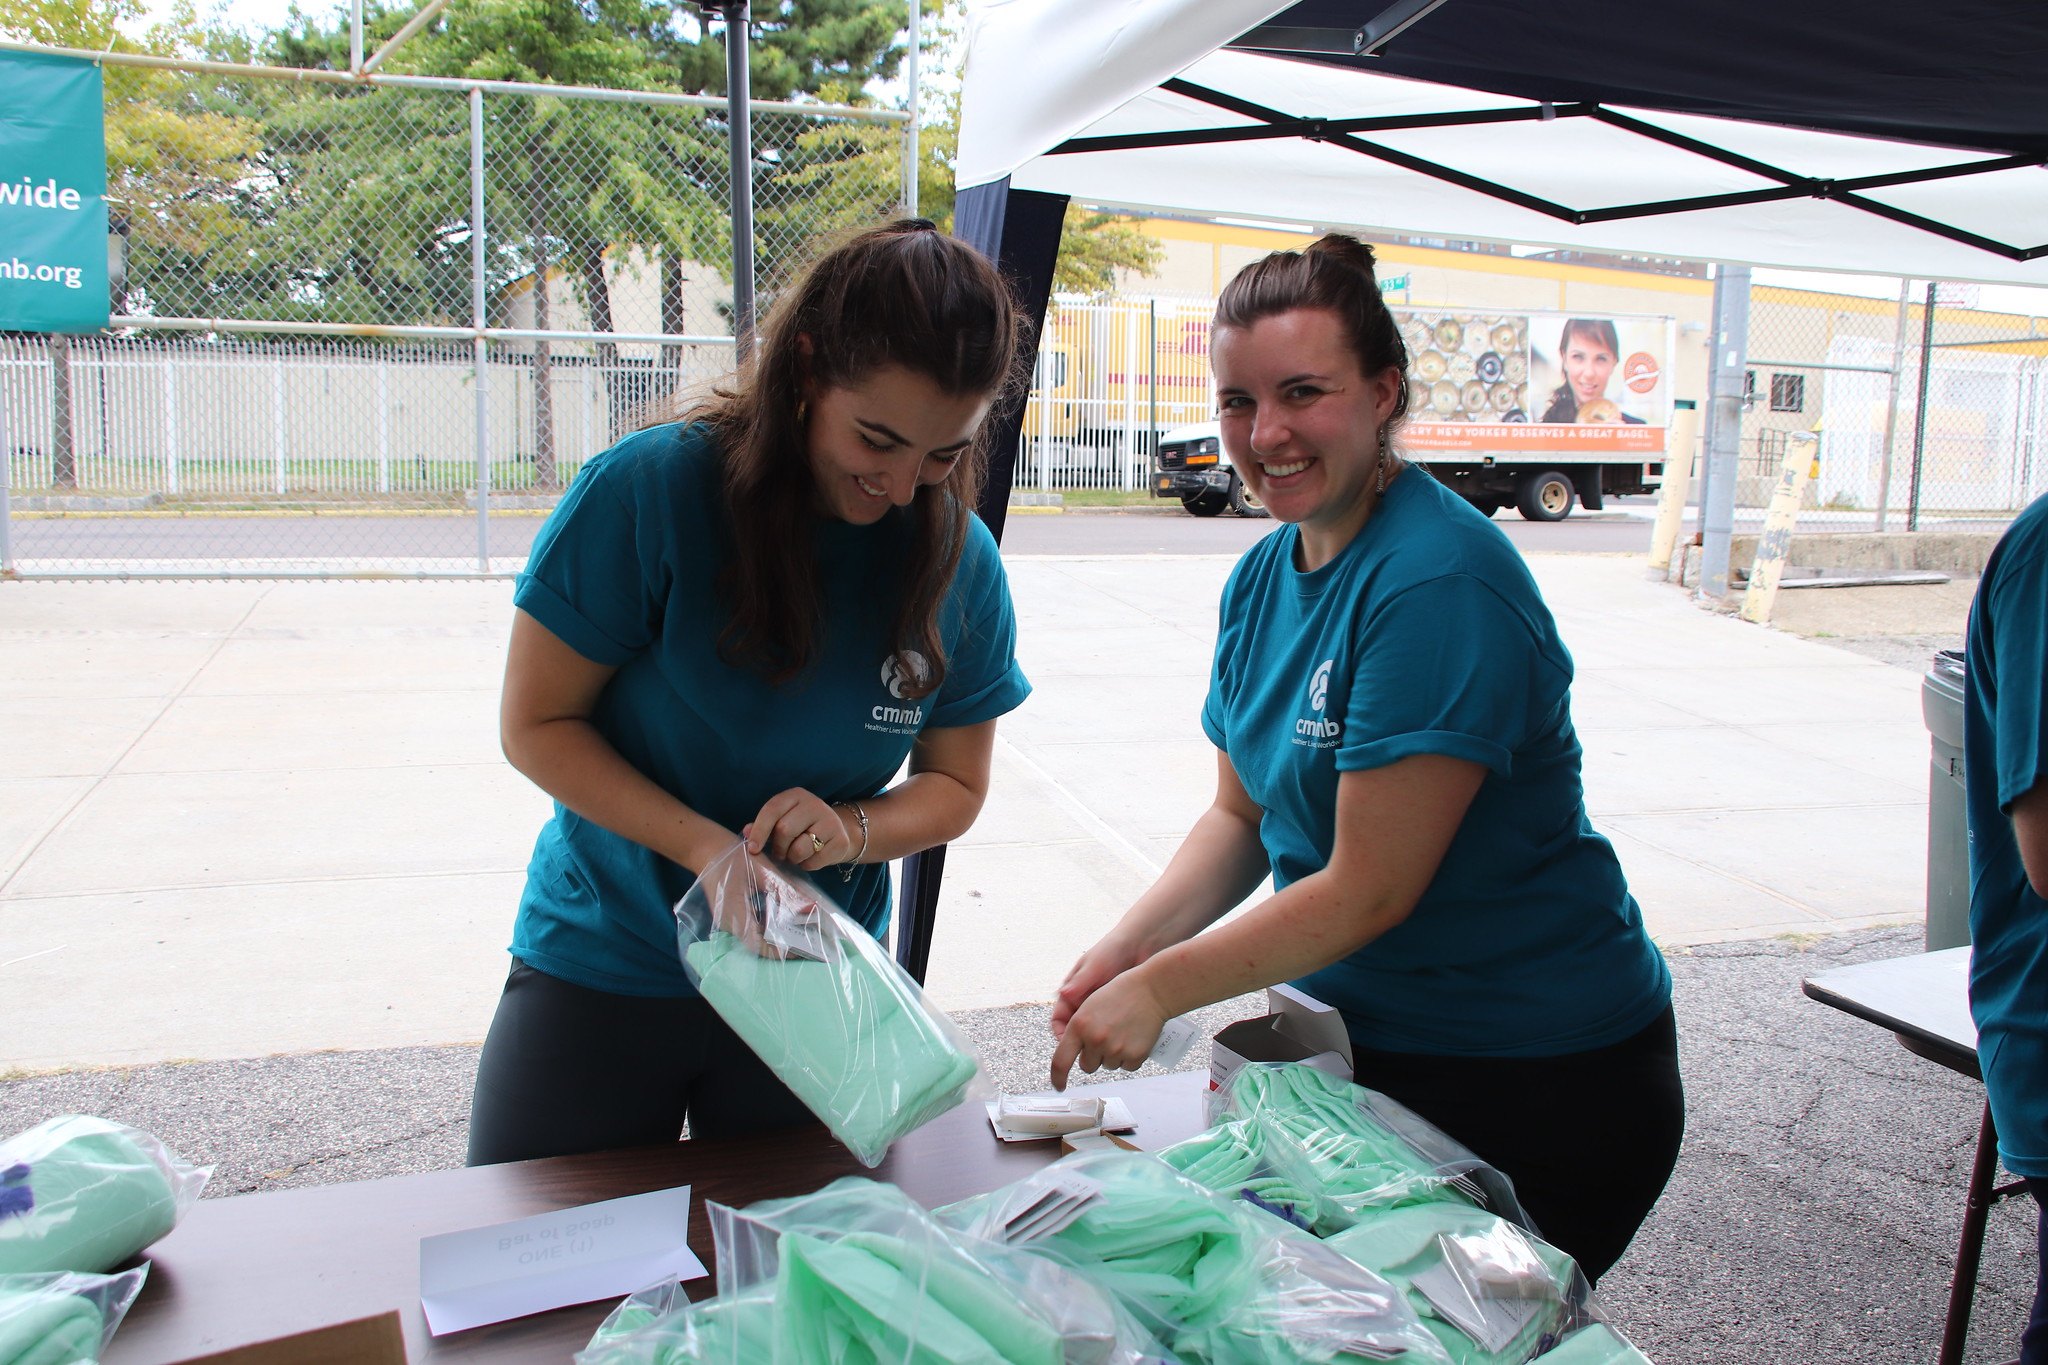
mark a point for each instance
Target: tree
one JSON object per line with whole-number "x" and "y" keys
{"x": 170, "y": 165}
{"x": 569, "y": 181}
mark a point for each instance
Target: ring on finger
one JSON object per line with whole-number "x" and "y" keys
{"x": 817, "y": 844}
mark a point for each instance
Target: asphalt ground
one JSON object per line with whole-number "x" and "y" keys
{"x": 1812, "y": 1217}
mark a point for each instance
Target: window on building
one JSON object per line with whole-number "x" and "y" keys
{"x": 1748, "y": 387}
{"x": 1788, "y": 393}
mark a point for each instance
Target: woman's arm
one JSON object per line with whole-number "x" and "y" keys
{"x": 1215, "y": 867}
{"x": 1393, "y": 826}
{"x": 544, "y": 728}
{"x": 938, "y": 802}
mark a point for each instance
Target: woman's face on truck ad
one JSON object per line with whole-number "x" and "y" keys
{"x": 1587, "y": 364}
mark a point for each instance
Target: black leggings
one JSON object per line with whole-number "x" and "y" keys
{"x": 568, "y": 1069}
{"x": 1589, "y": 1138}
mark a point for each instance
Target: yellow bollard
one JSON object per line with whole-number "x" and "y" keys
{"x": 1802, "y": 455}
{"x": 1678, "y": 458}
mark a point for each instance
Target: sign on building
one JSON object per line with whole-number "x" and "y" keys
{"x": 53, "y": 194}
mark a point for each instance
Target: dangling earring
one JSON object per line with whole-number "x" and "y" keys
{"x": 1379, "y": 473}
{"x": 803, "y": 410}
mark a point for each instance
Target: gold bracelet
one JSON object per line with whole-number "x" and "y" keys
{"x": 846, "y": 868}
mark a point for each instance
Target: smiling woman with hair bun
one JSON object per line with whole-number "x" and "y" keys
{"x": 1390, "y": 704}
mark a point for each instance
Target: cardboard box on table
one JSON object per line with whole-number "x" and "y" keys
{"x": 1297, "y": 1028}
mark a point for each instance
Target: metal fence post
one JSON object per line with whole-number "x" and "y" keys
{"x": 173, "y": 475}
{"x": 6, "y": 481}
{"x": 480, "y": 346}
{"x": 1891, "y": 412}
{"x": 1920, "y": 412}
{"x": 1724, "y": 427}
{"x": 910, "y": 152}
{"x": 740, "y": 123}
{"x": 277, "y": 418}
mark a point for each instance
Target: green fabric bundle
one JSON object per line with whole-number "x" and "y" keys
{"x": 1403, "y": 1243}
{"x": 45, "y": 1327}
{"x": 735, "y": 1330}
{"x": 1230, "y": 1159}
{"x": 1327, "y": 1136}
{"x": 63, "y": 1317}
{"x": 1172, "y": 1252}
{"x": 849, "y": 1036}
{"x": 84, "y": 1194}
{"x": 1594, "y": 1345}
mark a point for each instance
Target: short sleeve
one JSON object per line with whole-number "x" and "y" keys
{"x": 1224, "y": 671}
{"x": 1448, "y": 667}
{"x": 983, "y": 680}
{"x": 589, "y": 578}
{"x": 2019, "y": 659}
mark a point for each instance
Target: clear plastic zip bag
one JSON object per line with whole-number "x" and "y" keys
{"x": 821, "y": 1003}
{"x": 64, "y": 1316}
{"x": 85, "y": 1194}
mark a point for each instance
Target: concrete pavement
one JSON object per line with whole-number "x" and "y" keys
{"x": 239, "y": 819}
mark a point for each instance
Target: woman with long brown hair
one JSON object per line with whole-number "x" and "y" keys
{"x": 741, "y": 624}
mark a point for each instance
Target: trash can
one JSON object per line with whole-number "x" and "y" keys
{"x": 1948, "y": 831}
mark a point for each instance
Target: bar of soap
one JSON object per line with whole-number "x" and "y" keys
{"x": 1048, "y": 1114}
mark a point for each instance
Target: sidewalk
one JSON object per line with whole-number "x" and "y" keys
{"x": 239, "y": 819}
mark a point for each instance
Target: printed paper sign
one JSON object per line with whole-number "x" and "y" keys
{"x": 578, "y": 1255}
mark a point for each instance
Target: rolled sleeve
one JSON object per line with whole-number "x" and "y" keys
{"x": 588, "y": 580}
{"x": 1449, "y": 668}
{"x": 983, "y": 679}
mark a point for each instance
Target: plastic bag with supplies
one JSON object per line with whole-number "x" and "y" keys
{"x": 821, "y": 1002}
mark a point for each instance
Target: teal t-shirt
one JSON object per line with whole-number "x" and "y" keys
{"x": 2005, "y": 756}
{"x": 1427, "y": 635}
{"x": 624, "y": 573}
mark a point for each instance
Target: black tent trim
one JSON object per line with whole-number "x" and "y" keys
{"x": 1274, "y": 123}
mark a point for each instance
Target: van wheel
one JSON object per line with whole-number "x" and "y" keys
{"x": 1546, "y": 497}
{"x": 1208, "y": 503}
{"x": 1243, "y": 501}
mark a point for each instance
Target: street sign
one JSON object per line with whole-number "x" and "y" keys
{"x": 53, "y": 194}
{"x": 1392, "y": 282}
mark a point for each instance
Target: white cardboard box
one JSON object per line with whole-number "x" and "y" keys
{"x": 1298, "y": 1028}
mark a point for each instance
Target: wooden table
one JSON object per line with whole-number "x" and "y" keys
{"x": 259, "y": 1266}
{"x": 1925, "y": 1001}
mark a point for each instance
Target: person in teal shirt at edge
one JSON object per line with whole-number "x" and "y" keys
{"x": 2005, "y": 793}
{"x": 1390, "y": 702}
{"x": 743, "y": 624}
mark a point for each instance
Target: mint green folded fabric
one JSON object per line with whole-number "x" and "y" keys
{"x": 1320, "y": 1132}
{"x": 855, "y": 1045}
{"x": 45, "y": 1327}
{"x": 1594, "y": 1345}
{"x": 80, "y": 1193}
{"x": 1400, "y": 1244}
{"x": 1230, "y": 1160}
{"x": 735, "y": 1330}
{"x": 870, "y": 1297}
{"x": 1172, "y": 1252}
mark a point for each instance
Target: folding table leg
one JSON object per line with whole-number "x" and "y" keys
{"x": 1962, "y": 1288}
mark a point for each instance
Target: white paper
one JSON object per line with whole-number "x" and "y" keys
{"x": 579, "y": 1255}
{"x": 1116, "y": 1118}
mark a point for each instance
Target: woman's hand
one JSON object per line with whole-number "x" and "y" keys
{"x": 801, "y": 829}
{"x": 1117, "y": 1027}
{"x": 1096, "y": 968}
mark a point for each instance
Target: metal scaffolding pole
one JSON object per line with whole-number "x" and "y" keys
{"x": 910, "y": 152}
{"x": 740, "y": 119}
{"x": 1724, "y": 427}
{"x": 480, "y": 347}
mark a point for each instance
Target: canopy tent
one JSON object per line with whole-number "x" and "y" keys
{"x": 1834, "y": 137}
{"x": 1848, "y": 135}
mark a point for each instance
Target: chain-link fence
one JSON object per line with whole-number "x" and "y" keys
{"x": 1931, "y": 412}
{"x": 375, "y": 327}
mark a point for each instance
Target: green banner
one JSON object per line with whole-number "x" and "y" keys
{"x": 53, "y": 194}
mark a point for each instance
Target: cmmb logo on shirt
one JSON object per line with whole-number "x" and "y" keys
{"x": 1322, "y": 731}
{"x": 901, "y": 672}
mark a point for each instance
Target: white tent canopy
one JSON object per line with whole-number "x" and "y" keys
{"x": 1045, "y": 75}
